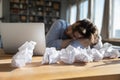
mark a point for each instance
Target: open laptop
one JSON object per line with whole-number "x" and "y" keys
{"x": 16, "y": 34}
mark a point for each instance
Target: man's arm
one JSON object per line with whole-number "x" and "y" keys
{"x": 65, "y": 43}
{"x": 53, "y": 37}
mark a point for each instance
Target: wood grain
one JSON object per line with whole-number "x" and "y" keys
{"x": 107, "y": 69}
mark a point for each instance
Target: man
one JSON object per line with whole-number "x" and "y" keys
{"x": 82, "y": 33}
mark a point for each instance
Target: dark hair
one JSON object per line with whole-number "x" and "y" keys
{"x": 85, "y": 27}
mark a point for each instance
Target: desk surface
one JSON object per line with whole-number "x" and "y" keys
{"x": 108, "y": 69}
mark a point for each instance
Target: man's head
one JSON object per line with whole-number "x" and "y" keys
{"x": 83, "y": 29}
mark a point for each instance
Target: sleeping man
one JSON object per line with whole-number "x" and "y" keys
{"x": 82, "y": 33}
{"x": 77, "y": 42}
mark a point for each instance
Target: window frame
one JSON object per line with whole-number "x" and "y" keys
{"x": 111, "y": 27}
{"x": 91, "y": 13}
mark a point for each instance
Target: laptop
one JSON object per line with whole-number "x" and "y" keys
{"x": 14, "y": 35}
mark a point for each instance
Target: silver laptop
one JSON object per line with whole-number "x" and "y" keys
{"x": 15, "y": 34}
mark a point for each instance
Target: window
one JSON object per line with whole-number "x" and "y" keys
{"x": 73, "y": 14}
{"x": 104, "y": 13}
{"x": 115, "y": 19}
{"x": 83, "y": 9}
{"x": 98, "y": 13}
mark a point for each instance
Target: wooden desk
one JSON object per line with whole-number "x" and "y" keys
{"x": 103, "y": 70}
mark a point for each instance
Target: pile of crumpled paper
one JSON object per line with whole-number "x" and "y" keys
{"x": 68, "y": 55}
{"x": 72, "y": 54}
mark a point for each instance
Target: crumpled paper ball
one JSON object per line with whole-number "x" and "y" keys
{"x": 24, "y": 55}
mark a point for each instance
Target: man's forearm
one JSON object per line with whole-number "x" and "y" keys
{"x": 65, "y": 43}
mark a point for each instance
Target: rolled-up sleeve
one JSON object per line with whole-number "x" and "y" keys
{"x": 76, "y": 44}
{"x": 55, "y": 43}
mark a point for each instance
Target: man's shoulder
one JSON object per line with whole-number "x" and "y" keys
{"x": 61, "y": 21}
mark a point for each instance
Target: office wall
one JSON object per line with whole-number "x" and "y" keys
{"x": 64, "y": 6}
{"x": 6, "y": 10}
{"x": 0, "y": 8}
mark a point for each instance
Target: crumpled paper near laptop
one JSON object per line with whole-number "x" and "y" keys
{"x": 24, "y": 55}
{"x": 72, "y": 54}
{"x": 68, "y": 55}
